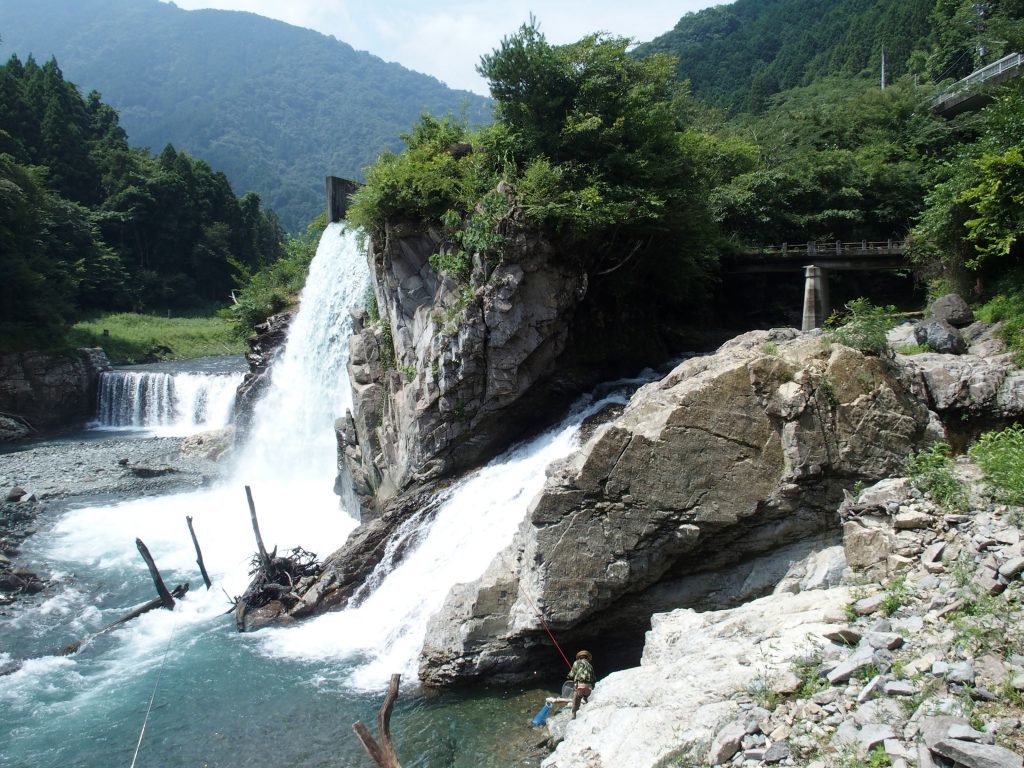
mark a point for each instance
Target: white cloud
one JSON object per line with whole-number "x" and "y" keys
{"x": 446, "y": 38}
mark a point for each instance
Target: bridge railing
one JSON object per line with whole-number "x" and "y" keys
{"x": 837, "y": 247}
{"x": 994, "y": 69}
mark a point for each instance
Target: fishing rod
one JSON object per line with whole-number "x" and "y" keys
{"x": 547, "y": 629}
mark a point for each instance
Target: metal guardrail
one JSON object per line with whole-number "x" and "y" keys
{"x": 838, "y": 248}
{"x": 987, "y": 72}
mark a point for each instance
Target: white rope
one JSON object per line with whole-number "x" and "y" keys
{"x": 156, "y": 685}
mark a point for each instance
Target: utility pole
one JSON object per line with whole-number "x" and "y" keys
{"x": 883, "y": 66}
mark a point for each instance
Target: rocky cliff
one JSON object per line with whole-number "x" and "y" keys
{"x": 706, "y": 490}
{"x": 42, "y": 391}
{"x": 448, "y": 374}
{"x": 918, "y": 664}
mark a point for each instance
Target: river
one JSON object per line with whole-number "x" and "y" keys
{"x": 182, "y": 687}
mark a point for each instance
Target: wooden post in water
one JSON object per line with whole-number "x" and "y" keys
{"x": 199, "y": 552}
{"x": 161, "y": 588}
{"x": 382, "y": 754}
{"x": 264, "y": 557}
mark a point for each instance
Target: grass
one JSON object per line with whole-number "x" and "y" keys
{"x": 896, "y": 594}
{"x": 913, "y": 349}
{"x": 1000, "y": 455}
{"x": 133, "y": 338}
{"x": 931, "y": 470}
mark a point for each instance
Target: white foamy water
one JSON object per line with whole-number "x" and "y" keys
{"x": 220, "y": 696}
{"x": 174, "y": 404}
{"x": 289, "y": 464}
{"x": 385, "y": 633}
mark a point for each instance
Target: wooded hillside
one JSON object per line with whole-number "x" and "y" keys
{"x": 274, "y": 106}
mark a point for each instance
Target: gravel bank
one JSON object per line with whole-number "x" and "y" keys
{"x": 39, "y": 477}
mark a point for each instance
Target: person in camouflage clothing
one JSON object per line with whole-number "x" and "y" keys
{"x": 582, "y": 677}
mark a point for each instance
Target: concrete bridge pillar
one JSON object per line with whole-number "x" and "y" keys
{"x": 816, "y": 303}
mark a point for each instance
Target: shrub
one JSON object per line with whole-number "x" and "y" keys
{"x": 1000, "y": 455}
{"x": 931, "y": 470}
{"x": 864, "y": 326}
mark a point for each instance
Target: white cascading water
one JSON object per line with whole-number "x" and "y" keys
{"x": 479, "y": 518}
{"x": 95, "y": 700}
{"x": 288, "y": 462}
{"x": 167, "y": 403}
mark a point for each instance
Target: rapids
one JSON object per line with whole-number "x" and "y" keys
{"x": 282, "y": 696}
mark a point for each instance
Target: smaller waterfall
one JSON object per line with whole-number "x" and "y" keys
{"x": 181, "y": 402}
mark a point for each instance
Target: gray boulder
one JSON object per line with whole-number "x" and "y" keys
{"x": 952, "y": 309}
{"x": 974, "y": 755}
{"x": 730, "y": 457}
{"x": 940, "y": 337}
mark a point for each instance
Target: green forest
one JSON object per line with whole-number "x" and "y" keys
{"x": 89, "y": 224}
{"x": 649, "y": 163}
{"x": 617, "y": 152}
{"x": 275, "y": 107}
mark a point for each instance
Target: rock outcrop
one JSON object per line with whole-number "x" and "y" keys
{"x": 43, "y": 391}
{"x": 731, "y": 459}
{"x": 919, "y": 664}
{"x": 264, "y": 346}
{"x": 450, "y": 374}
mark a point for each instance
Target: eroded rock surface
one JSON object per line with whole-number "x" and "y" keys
{"x": 449, "y": 375}
{"x": 42, "y": 391}
{"x": 731, "y": 457}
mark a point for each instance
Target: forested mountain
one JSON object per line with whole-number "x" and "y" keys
{"x": 274, "y": 106}
{"x": 736, "y": 55}
{"x": 88, "y": 223}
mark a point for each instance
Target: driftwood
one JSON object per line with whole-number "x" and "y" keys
{"x": 165, "y": 600}
{"x": 264, "y": 557}
{"x": 158, "y": 582}
{"x": 178, "y": 592}
{"x": 383, "y": 754}
{"x": 199, "y": 552}
{"x": 274, "y": 579}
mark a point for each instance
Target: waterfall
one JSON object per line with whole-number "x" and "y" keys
{"x": 220, "y": 695}
{"x": 171, "y": 403}
{"x": 476, "y": 520}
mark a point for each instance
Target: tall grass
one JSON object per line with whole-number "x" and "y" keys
{"x": 1001, "y": 458}
{"x": 132, "y": 338}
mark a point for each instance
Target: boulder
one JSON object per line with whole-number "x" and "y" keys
{"x": 961, "y": 389}
{"x": 730, "y": 457}
{"x": 693, "y": 663}
{"x": 973, "y": 755}
{"x": 952, "y": 309}
{"x": 940, "y": 337}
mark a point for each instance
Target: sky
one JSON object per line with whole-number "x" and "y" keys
{"x": 445, "y": 38}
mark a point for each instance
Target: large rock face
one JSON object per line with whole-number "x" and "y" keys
{"x": 732, "y": 457}
{"x": 449, "y": 375}
{"x": 46, "y": 391}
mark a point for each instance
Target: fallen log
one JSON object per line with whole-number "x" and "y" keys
{"x": 178, "y": 592}
{"x": 383, "y": 754}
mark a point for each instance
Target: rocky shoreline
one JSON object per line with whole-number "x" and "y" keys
{"x": 917, "y": 659}
{"x": 38, "y": 478}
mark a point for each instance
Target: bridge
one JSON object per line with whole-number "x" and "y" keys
{"x": 963, "y": 95}
{"x": 817, "y": 259}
